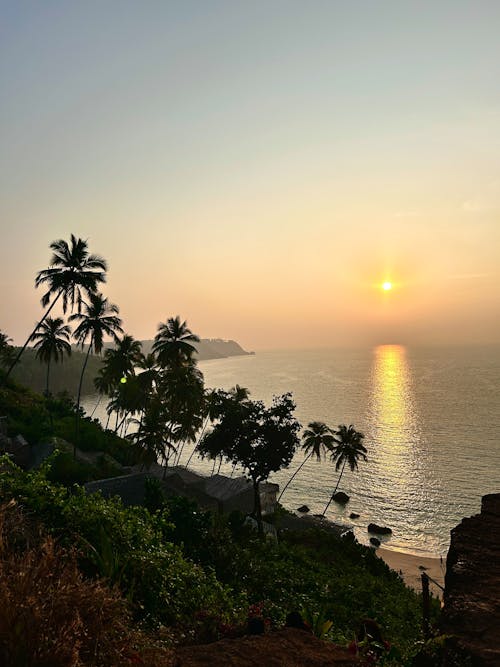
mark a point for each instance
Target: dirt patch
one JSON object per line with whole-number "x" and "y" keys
{"x": 284, "y": 648}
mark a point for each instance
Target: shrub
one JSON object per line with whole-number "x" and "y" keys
{"x": 50, "y": 616}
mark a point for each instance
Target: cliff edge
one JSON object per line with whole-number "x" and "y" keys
{"x": 471, "y": 610}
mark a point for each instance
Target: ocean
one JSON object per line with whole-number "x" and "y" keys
{"x": 431, "y": 419}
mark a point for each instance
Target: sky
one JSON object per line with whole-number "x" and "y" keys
{"x": 259, "y": 168}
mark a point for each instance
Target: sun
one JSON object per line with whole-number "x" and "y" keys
{"x": 386, "y": 286}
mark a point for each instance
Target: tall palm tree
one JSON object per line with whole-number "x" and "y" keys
{"x": 73, "y": 274}
{"x": 173, "y": 343}
{"x": 317, "y": 439}
{"x": 52, "y": 343}
{"x": 349, "y": 449}
{"x": 99, "y": 319}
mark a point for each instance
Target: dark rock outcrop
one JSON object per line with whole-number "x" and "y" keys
{"x": 303, "y": 509}
{"x": 341, "y": 497}
{"x": 353, "y": 515}
{"x": 472, "y": 585}
{"x": 380, "y": 530}
{"x": 375, "y": 541}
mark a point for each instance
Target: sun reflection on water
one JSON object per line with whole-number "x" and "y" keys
{"x": 395, "y": 421}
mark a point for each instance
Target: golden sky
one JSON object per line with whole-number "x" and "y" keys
{"x": 261, "y": 168}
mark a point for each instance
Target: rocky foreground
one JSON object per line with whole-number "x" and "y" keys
{"x": 472, "y": 584}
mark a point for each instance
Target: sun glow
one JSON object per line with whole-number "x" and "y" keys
{"x": 386, "y": 286}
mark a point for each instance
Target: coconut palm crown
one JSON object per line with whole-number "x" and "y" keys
{"x": 173, "y": 342}
{"x": 73, "y": 273}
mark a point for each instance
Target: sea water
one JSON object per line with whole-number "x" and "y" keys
{"x": 431, "y": 420}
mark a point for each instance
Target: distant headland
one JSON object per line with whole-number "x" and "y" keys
{"x": 209, "y": 348}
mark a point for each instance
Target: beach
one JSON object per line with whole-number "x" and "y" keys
{"x": 411, "y": 568}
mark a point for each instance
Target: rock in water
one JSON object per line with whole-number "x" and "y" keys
{"x": 353, "y": 515}
{"x": 303, "y": 508}
{"x": 375, "y": 541}
{"x": 341, "y": 497}
{"x": 380, "y": 530}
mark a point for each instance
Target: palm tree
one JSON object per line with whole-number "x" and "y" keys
{"x": 99, "y": 319}
{"x": 349, "y": 449}
{"x": 153, "y": 437}
{"x": 73, "y": 274}
{"x": 52, "y": 343}
{"x": 317, "y": 439}
{"x": 6, "y": 349}
{"x": 118, "y": 368}
{"x": 172, "y": 344}
{"x": 122, "y": 360}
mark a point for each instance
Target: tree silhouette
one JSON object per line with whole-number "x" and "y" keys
{"x": 52, "y": 342}
{"x": 261, "y": 440}
{"x": 99, "y": 319}
{"x": 6, "y": 350}
{"x": 73, "y": 274}
{"x": 317, "y": 439}
{"x": 173, "y": 343}
{"x": 348, "y": 449}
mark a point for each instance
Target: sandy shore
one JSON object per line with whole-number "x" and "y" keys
{"x": 411, "y": 568}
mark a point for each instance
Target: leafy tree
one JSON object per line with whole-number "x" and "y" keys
{"x": 52, "y": 342}
{"x": 349, "y": 449}
{"x": 316, "y": 441}
{"x": 261, "y": 440}
{"x": 99, "y": 318}
{"x": 73, "y": 274}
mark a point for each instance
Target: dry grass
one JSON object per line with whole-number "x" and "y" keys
{"x": 50, "y": 616}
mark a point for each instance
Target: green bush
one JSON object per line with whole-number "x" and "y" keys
{"x": 163, "y": 586}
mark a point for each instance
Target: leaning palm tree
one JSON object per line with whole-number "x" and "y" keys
{"x": 52, "y": 342}
{"x": 99, "y": 319}
{"x": 317, "y": 439}
{"x": 173, "y": 343}
{"x": 73, "y": 274}
{"x": 349, "y": 449}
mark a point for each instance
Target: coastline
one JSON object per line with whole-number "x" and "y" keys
{"x": 409, "y": 566}
{"x": 410, "y": 569}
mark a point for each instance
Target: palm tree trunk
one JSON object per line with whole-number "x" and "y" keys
{"x": 194, "y": 448}
{"x": 335, "y": 489}
{"x": 96, "y": 406}
{"x": 257, "y": 508}
{"x": 80, "y": 384}
{"x": 181, "y": 449}
{"x": 47, "y": 379}
{"x": 19, "y": 354}
{"x": 293, "y": 476}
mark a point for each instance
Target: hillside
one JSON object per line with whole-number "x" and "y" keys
{"x": 65, "y": 376}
